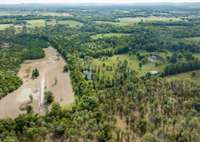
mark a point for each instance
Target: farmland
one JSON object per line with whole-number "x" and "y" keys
{"x": 128, "y": 21}
{"x": 41, "y": 23}
{"x": 108, "y": 35}
{"x": 193, "y": 76}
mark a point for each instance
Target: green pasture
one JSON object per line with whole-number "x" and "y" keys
{"x": 133, "y": 64}
{"x": 193, "y": 76}
{"x": 128, "y": 21}
{"x": 108, "y": 35}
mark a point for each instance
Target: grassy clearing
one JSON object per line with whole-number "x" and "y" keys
{"x": 36, "y": 23}
{"x": 128, "y": 21}
{"x": 13, "y": 13}
{"x": 108, "y": 35}
{"x": 197, "y": 55}
{"x": 107, "y": 22}
{"x": 55, "y": 14}
{"x": 133, "y": 63}
{"x": 5, "y": 26}
{"x": 147, "y": 19}
{"x": 71, "y": 23}
{"x": 193, "y": 76}
{"x": 42, "y": 23}
{"x": 186, "y": 77}
{"x": 194, "y": 39}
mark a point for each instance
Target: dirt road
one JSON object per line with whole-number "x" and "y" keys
{"x": 51, "y": 79}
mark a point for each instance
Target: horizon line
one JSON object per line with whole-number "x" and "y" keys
{"x": 98, "y": 3}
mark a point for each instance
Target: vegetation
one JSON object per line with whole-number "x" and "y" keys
{"x": 20, "y": 48}
{"x": 35, "y": 74}
{"x": 120, "y": 75}
{"x": 49, "y": 98}
{"x": 66, "y": 69}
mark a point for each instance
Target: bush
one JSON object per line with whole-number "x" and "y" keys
{"x": 49, "y": 98}
{"x": 66, "y": 69}
{"x": 35, "y": 73}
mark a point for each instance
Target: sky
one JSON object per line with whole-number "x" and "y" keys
{"x": 93, "y": 1}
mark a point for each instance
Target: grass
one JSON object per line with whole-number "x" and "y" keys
{"x": 18, "y": 28}
{"x": 5, "y": 26}
{"x": 186, "y": 77}
{"x": 36, "y": 23}
{"x": 13, "y": 13}
{"x": 196, "y": 55}
{"x": 71, "y": 23}
{"x": 108, "y": 35}
{"x": 128, "y": 21}
{"x": 147, "y": 19}
{"x": 55, "y": 14}
{"x": 193, "y": 39}
{"x": 41, "y": 23}
{"x": 52, "y": 22}
{"x": 133, "y": 64}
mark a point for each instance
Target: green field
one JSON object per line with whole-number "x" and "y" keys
{"x": 55, "y": 14}
{"x": 133, "y": 63}
{"x": 5, "y": 26}
{"x": 14, "y": 13}
{"x": 42, "y": 23}
{"x": 147, "y": 19}
{"x": 127, "y": 21}
{"x": 188, "y": 76}
{"x": 36, "y": 23}
{"x": 193, "y": 39}
{"x": 71, "y": 23}
{"x": 193, "y": 76}
{"x": 108, "y": 35}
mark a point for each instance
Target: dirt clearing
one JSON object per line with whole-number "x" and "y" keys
{"x": 52, "y": 78}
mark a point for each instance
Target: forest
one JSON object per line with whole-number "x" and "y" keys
{"x": 134, "y": 71}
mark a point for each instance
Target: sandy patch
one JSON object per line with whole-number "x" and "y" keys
{"x": 24, "y": 96}
{"x": 52, "y": 78}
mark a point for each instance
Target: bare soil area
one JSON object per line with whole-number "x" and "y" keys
{"x": 52, "y": 78}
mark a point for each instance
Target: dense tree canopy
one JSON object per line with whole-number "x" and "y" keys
{"x": 113, "y": 103}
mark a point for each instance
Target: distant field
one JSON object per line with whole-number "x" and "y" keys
{"x": 5, "y": 26}
{"x": 186, "y": 76}
{"x": 71, "y": 23}
{"x": 13, "y": 13}
{"x": 146, "y": 19}
{"x": 41, "y": 23}
{"x": 18, "y": 13}
{"x": 126, "y": 21}
{"x": 36, "y": 23}
{"x": 56, "y": 14}
{"x": 108, "y": 35}
{"x": 195, "y": 39}
{"x": 133, "y": 63}
{"x": 197, "y": 55}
